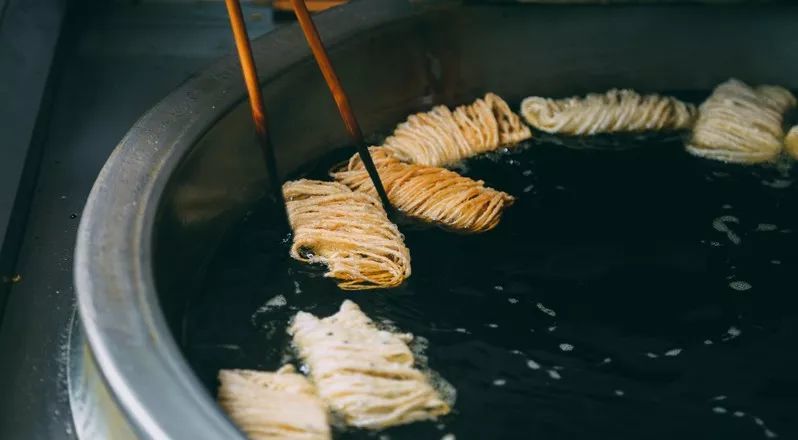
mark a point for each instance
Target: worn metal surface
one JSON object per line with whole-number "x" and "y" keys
{"x": 94, "y": 412}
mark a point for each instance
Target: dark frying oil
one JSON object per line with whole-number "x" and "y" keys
{"x": 633, "y": 291}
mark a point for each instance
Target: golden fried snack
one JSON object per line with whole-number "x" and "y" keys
{"x": 740, "y": 124}
{"x": 511, "y": 129}
{"x": 366, "y": 375}
{"x": 478, "y": 125}
{"x": 777, "y": 97}
{"x": 427, "y": 193}
{"x": 272, "y": 406}
{"x": 791, "y": 142}
{"x": 440, "y": 137}
{"x": 610, "y": 112}
{"x": 347, "y": 231}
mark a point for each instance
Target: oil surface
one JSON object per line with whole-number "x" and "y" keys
{"x": 633, "y": 291}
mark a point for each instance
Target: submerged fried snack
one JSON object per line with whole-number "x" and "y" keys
{"x": 610, "y": 112}
{"x": 347, "y": 231}
{"x": 791, "y": 142}
{"x": 441, "y": 137}
{"x": 740, "y": 124}
{"x": 366, "y": 375}
{"x": 280, "y": 405}
{"x": 427, "y": 193}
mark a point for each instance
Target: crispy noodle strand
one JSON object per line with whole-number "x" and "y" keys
{"x": 511, "y": 129}
{"x": 610, "y": 112}
{"x": 441, "y": 137}
{"x": 366, "y": 375}
{"x": 347, "y": 231}
{"x": 791, "y": 142}
{"x": 431, "y": 194}
{"x": 280, "y": 405}
{"x": 740, "y": 124}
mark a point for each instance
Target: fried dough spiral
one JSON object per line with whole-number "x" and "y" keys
{"x": 347, "y": 231}
{"x": 282, "y": 405}
{"x": 791, "y": 142}
{"x": 610, "y": 112}
{"x": 365, "y": 374}
{"x": 441, "y": 137}
{"x": 741, "y": 124}
{"x": 431, "y": 194}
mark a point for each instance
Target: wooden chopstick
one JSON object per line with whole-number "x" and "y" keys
{"x": 340, "y": 97}
{"x": 250, "y": 72}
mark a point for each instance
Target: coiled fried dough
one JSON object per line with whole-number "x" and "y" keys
{"x": 441, "y": 137}
{"x": 791, "y": 142}
{"x": 511, "y": 129}
{"x": 347, "y": 231}
{"x": 272, "y": 406}
{"x": 365, "y": 374}
{"x": 610, "y": 112}
{"x": 431, "y": 194}
{"x": 740, "y": 124}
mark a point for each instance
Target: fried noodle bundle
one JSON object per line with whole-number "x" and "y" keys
{"x": 347, "y": 231}
{"x": 441, "y": 137}
{"x": 366, "y": 375}
{"x": 280, "y": 405}
{"x": 791, "y": 142}
{"x": 427, "y": 193}
{"x": 740, "y": 124}
{"x": 610, "y": 112}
